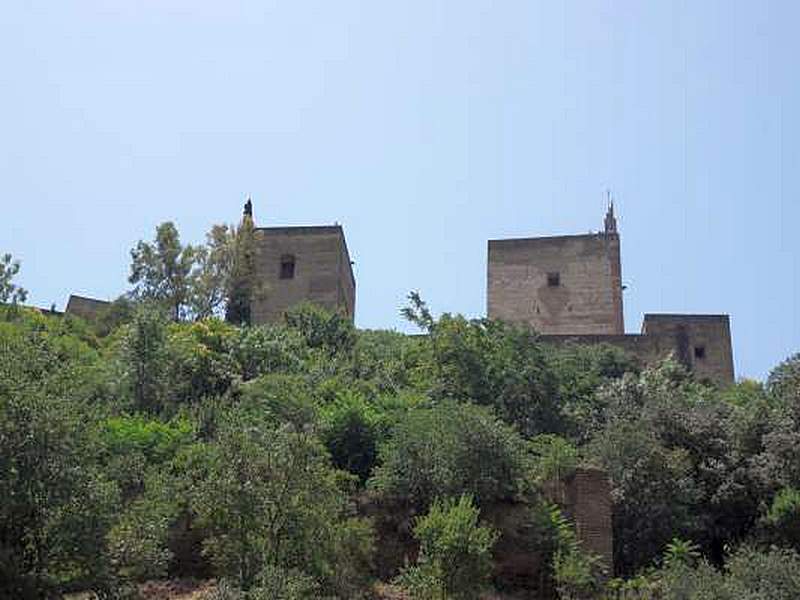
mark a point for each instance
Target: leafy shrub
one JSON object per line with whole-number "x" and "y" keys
{"x": 783, "y": 382}
{"x": 200, "y": 361}
{"x": 275, "y": 583}
{"x": 270, "y": 497}
{"x": 56, "y": 508}
{"x": 138, "y": 541}
{"x": 268, "y": 349}
{"x": 783, "y": 517}
{"x": 351, "y": 429}
{"x": 499, "y": 365}
{"x": 279, "y": 399}
{"x": 144, "y": 361}
{"x": 554, "y": 457}
{"x": 157, "y": 440}
{"x": 449, "y": 450}
{"x": 128, "y": 446}
{"x": 577, "y": 573}
{"x": 322, "y": 329}
{"x": 455, "y": 555}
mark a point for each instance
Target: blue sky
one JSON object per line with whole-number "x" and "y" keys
{"x": 425, "y": 128}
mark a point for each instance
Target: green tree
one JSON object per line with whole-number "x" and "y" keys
{"x": 240, "y": 288}
{"x": 455, "y": 553}
{"x": 449, "y": 450}
{"x": 10, "y": 292}
{"x": 160, "y": 271}
{"x": 494, "y": 364}
{"x": 783, "y": 517}
{"x": 677, "y": 464}
{"x": 351, "y": 429}
{"x": 271, "y": 499}
{"x": 212, "y": 273}
{"x": 783, "y": 384}
{"x": 144, "y": 360}
{"x": 418, "y": 313}
{"x": 328, "y": 331}
{"x": 57, "y": 507}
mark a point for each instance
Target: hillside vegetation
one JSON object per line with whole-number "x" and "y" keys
{"x": 139, "y": 448}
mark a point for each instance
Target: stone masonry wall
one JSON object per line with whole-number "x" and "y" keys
{"x": 585, "y": 497}
{"x": 322, "y": 273}
{"x": 702, "y": 342}
{"x": 662, "y": 341}
{"x": 587, "y": 298}
{"x": 85, "y": 308}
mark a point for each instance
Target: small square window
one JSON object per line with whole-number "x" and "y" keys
{"x": 700, "y": 352}
{"x": 553, "y": 279}
{"x": 287, "y": 267}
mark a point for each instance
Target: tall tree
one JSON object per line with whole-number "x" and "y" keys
{"x": 160, "y": 271}
{"x": 9, "y": 292}
{"x": 213, "y": 264}
{"x": 241, "y": 282}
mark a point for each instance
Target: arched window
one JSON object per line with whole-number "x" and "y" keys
{"x": 287, "y": 266}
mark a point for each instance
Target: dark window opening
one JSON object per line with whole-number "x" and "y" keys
{"x": 287, "y": 267}
{"x": 700, "y": 352}
{"x": 553, "y": 279}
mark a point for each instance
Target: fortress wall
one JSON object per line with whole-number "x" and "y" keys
{"x": 85, "y": 308}
{"x": 678, "y": 336}
{"x": 647, "y": 349}
{"x": 322, "y": 271}
{"x": 703, "y": 342}
{"x": 586, "y": 298}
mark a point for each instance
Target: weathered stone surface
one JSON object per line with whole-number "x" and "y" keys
{"x": 569, "y": 289}
{"x": 702, "y": 342}
{"x": 322, "y": 271}
{"x": 587, "y": 297}
{"x": 85, "y": 308}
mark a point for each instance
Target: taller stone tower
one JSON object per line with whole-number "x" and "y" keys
{"x": 301, "y": 264}
{"x": 568, "y": 284}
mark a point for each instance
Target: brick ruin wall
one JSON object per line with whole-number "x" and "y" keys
{"x": 585, "y": 498}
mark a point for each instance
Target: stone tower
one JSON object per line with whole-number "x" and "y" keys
{"x": 568, "y": 284}
{"x": 301, "y": 264}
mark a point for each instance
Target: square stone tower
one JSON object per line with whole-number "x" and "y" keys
{"x": 702, "y": 343}
{"x": 301, "y": 264}
{"x": 559, "y": 285}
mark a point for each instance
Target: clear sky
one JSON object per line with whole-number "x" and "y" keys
{"x": 425, "y": 128}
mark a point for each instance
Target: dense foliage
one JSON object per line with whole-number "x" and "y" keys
{"x": 142, "y": 447}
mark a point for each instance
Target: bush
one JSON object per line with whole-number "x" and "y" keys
{"x": 449, "y": 450}
{"x": 554, "y": 457}
{"x": 57, "y": 507}
{"x": 137, "y": 544}
{"x": 351, "y": 429}
{"x": 783, "y": 517}
{"x": 268, "y": 349}
{"x": 499, "y": 365}
{"x": 577, "y": 574}
{"x": 275, "y": 583}
{"x": 331, "y": 332}
{"x": 270, "y": 497}
{"x": 455, "y": 555}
